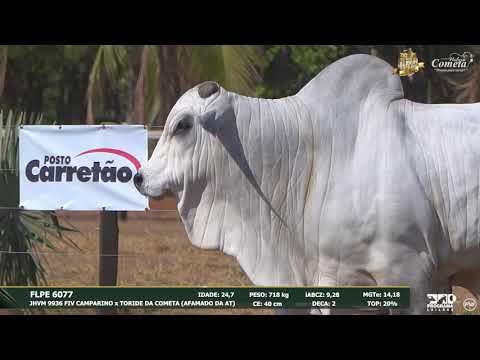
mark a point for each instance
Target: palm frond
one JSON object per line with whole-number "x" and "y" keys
{"x": 235, "y": 67}
{"x": 6, "y": 300}
{"x": 110, "y": 60}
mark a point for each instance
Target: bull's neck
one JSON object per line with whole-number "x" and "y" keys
{"x": 254, "y": 207}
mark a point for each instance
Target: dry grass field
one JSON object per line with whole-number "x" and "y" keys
{"x": 154, "y": 251}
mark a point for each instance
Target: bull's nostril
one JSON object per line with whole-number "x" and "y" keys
{"x": 138, "y": 179}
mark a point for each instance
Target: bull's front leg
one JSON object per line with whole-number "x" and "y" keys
{"x": 416, "y": 271}
{"x": 358, "y": 280}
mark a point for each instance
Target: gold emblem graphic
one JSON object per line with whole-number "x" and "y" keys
{"x": 408, "y": 64}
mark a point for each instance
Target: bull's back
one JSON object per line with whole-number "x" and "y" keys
{"x": 445, "y": 149}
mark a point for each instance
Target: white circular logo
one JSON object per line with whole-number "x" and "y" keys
{"x": 470, "y": 304}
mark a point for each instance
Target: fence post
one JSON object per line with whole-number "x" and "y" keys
{"x": 108, "y": 265}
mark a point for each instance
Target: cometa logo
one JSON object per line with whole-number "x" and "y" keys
{"x": 58, "y": 168}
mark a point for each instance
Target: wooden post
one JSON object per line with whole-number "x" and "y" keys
{"x": 108, "y": 265}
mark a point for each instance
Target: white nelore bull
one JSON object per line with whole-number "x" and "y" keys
{"x": 344, "y": 183}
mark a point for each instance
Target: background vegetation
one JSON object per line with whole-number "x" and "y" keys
{"x": 76, "y": 84}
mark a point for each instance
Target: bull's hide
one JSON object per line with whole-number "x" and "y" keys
{"x": 345, "y": 183}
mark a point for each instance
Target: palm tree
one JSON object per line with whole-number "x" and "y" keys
{"x": 165, "y": 71}
{"x": 109, "y": 61}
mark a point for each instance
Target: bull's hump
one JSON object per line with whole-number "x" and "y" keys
{"x": 207, "y": 89}
{"x": 353, "y": 78}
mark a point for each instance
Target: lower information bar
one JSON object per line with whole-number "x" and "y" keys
{"x": 205, "y": 297}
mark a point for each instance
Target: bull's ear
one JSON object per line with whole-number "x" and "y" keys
{"x": 211, "y": 122}
{"x": 215, "y": 119}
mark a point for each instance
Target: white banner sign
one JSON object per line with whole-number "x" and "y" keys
{"x": 73, "y": 167}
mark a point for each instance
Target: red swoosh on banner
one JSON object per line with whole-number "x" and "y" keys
{"x": 121, "y": 153}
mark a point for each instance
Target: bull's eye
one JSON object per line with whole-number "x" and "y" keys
{"x": 183, "y": 126}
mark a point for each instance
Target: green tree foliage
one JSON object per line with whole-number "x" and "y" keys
{"x": 97, "y": 83}
{"x": 290, "y": 67}
{"x": 48, "y": 79}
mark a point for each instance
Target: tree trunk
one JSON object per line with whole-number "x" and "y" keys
{"x": 90, "y": 120}
{"x": 108, "y": 262}
{"x": 61, "y": 98}
{"x": 139, "y": 100}
{"x": 3, "y": 68}
{"x": 76, "y": 86}
{"x": 169, "y": 79}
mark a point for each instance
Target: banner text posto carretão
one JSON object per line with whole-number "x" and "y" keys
{"x": 59, "y": 170}
{"x": 81, "y": 167}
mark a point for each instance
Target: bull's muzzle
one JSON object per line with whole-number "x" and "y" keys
{"x": 138, "y": 180}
